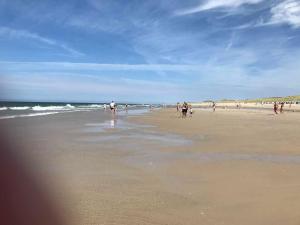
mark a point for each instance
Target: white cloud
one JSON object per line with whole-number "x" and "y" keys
{"x": 213, "y": 4}
{"x": 287, "y": 12}
{"x": 68, "y": 66}
{"x": 19, "y": 34}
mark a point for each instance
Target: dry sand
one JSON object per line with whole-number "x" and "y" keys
{"x": 248, "y": 105}
{"x": 231, "y": 167}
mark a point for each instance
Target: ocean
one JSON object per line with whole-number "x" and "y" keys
{"x": 10, "y": 110}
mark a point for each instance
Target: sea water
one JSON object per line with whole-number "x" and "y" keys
{"x": 10, "y": 110}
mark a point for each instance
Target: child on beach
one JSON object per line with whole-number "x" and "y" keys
{"x": 191, "y": 111}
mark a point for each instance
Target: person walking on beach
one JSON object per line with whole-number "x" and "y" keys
{"x": 177, "y": 106}
{"x": 191, "y": 110}
{"x": 112, "y": 106}
{"x": 275, "y": 107}
{"x": 214, "y": 106}
{"x": 281, "y": 107}
{"x": 184, "y": 109}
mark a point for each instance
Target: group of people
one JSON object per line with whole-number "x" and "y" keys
{"x": 185, "y": 109}
{"x": 276, "y": 106}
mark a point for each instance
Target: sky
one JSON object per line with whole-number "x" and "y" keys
{"x": 148, "y": 51}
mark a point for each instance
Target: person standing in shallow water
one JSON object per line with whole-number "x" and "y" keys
{"x": 112, "y": 106}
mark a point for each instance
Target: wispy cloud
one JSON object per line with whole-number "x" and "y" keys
{"x": 20, "y": 34}
{"x": 223, "y": 80}
{"x": 287, "y": 12}
{"x": 214, "y": 4}
{"x": 63, "y": 66}
{"x": 231, "y": 48}
{"x": 231, "y": 42}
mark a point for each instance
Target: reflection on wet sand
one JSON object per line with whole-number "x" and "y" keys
{"x": 127, "y": 135}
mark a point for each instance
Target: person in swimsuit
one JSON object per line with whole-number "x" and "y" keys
{"x": 112, "y": 106}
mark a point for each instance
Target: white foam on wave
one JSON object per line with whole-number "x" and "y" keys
{"x": 91, "y": 106}
{"x": 70, "y": 106}
{"x": 52, "y": 108}
{"x": 28, "y": 115}
{"x": 19, "y": 108}
{"x": 3, "y": 108}
{"x": 95, "y": 106}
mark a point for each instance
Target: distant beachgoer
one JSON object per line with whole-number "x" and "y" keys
{"x": 177, "y": 106}
{"x": 214, "y": 106}
{"x": 184, "y": 109}
{"x": 191, "y": 111}
{"x": 275, "y": 107}
{"x": 281, "y": 107}
{"x": 126, "y": 107}
{"x": 105, "y": 106}
{"x": 112, "y": 106}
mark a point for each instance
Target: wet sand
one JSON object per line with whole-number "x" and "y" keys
{"x": 229, "y": 167}
{"x": 243, "y": 166}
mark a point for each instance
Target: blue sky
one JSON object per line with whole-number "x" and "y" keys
{"x": 148, "y": 51}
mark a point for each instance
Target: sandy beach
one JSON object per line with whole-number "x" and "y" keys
{"x": 230, "y": 167}
{"x": 163, "y": 112}
{"x": 248, "y": 105}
